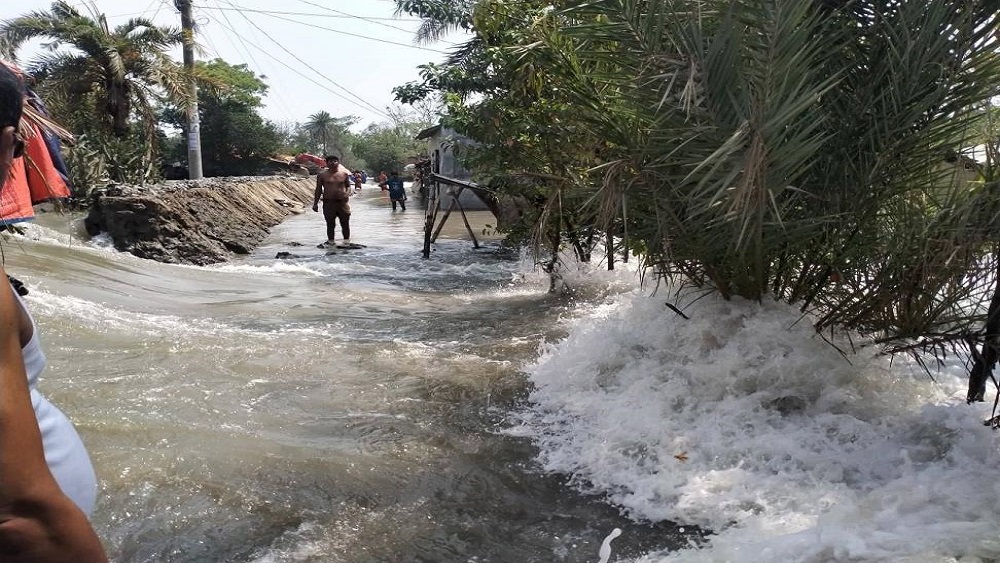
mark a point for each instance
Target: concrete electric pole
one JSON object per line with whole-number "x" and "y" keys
{"x": 194, "y": 125}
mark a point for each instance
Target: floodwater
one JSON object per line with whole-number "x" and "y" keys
{"x": 324, "y": 408}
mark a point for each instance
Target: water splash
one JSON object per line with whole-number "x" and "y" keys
{"x": 741, "y": 421}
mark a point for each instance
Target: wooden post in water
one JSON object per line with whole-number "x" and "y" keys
{"x": 475, "y": 243}
{"x": 444, "y": 220}
{"x": 430, "y": 216}
{"x": 430, "y": 232}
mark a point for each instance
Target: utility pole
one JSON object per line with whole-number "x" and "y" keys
{"x": 194, "y": 125}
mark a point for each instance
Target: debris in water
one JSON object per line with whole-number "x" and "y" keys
{"x": 605, "y": 551}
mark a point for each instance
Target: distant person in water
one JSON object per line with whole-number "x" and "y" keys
{"x": 397, "y": 193}
{"x": 382, "y": 179}
{"x": 333, "y": 186}
{"x": 47, "y": 484}
{"x": 357, "y": 181}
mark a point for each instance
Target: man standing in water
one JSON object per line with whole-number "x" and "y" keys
{"x": 396, "y": 191}
{"x": 333, "y": 185}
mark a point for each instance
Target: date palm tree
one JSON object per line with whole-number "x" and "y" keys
{"x": 802, "y": 151}
{"x": 440, "y": 17}
{"x": 808, "y": 152}
{"x": 117, "y": 73}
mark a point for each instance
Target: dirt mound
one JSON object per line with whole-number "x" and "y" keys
{"x": 196, "y": 221}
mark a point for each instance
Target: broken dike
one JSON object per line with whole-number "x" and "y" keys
{"x": 196, "y": 222}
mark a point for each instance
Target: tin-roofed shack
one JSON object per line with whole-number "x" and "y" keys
{"x": 445, "y": 149}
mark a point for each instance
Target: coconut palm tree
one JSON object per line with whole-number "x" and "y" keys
{"x": 118, "y": 73}
{"x": 330, "y": 131}
{"x": 319, "y": 126}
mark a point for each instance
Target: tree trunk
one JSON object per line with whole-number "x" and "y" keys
{"x": 118, "y": 108}
{"x": 555, "y": 240}
{"x": 982, "y": 368}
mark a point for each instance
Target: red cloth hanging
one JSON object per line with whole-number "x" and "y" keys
{"x": 44, "y": 180}
{"x": 15, "y": 197}
{"x": 34, "y": 179}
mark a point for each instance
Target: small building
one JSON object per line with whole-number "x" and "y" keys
{"x": 445, "y": 150}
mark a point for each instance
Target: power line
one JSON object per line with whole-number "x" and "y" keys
{"x": 158, "y": 8}
{"x": 370, "y": 20}
{"x": 285, "y": 49}
{"x": 281, "y": 101}
{"x": 149, "y": 7}
{"x": 348, "y": 33}
{"x": 211, "y": 44}
{"x": 340, "y": 15}
{"x": 311, "y": 79}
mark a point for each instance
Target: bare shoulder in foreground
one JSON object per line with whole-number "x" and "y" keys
{"x": 38, "y": 522}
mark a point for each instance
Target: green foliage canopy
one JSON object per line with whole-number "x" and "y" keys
{"x": 118, "y": 74}
{"x": 235, "y": 139}
{"x": 796, "y": 150}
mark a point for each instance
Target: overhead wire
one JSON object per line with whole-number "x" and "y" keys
{"x": 341, "y": 15}
{"x": 285, "y": 49}
{"x": 158, "y": 8}
{"x": 211, "y": 44}
{"x": 380, "y": 40}
{"x": 85, "y": 4}
{"x": 149, "y": 7}
{"x": 367, "y": 106}
{"x": 363, "y": 18}
{"x": 282, "y": 103}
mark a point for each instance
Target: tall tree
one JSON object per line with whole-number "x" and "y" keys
{"x": 319, "y": 126}
{"x": 331, "y": 132}
{"x": 235, "y": 139}
{"x": 118, "y": 73}
{"x": 388, "y": 146}
{"x": 757, "y": 148}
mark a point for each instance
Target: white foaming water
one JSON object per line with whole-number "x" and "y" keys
{"x": 101, "y": 317}
{"x": 292, "y": 423}
{"x": 323, "y": 408}
{"x": 279, "y": 267}
{"x": 742, "y": 421}
{"x": 43, "y": 233}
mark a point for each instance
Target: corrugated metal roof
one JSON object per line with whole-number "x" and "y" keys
{"x": 429, "y": 132}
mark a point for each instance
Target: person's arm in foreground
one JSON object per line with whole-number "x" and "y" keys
{"x": 38, "y": 523}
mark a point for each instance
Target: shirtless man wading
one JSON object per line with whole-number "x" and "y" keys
{"x": 333, "y": 185}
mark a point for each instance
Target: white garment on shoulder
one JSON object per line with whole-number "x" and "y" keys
{"x": 65, "y": 453}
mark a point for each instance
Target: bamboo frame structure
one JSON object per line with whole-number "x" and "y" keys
{"x": 432, "y": 228}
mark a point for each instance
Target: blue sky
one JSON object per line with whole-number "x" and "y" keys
{"x": 340, "y": 56}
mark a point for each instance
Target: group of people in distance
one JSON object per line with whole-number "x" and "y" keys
{"x": 333, "y": 187}
{"x": 360, "y": 178}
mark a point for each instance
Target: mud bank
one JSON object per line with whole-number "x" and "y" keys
{"x": 196, "y": 221}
